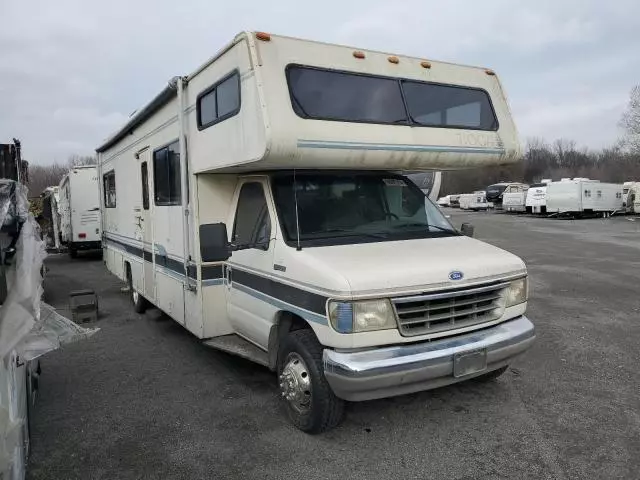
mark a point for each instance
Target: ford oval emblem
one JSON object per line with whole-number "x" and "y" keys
{"x": 456, "y": 275}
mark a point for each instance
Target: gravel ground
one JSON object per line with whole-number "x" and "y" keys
{"x": 143, "y": 399}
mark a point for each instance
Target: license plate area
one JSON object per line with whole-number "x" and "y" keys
{"x": 468, "y": 363}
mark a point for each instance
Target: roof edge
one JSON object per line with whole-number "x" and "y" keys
{"x": 147, "y": 111}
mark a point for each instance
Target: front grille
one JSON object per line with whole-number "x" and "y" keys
{"x": 438, "y": 312}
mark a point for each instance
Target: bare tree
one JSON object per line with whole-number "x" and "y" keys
{"x": 80, "y": 160}
{"x": 630, "y": 121}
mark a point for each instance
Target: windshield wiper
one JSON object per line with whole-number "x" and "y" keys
{"x": 353, "y": 233}
{"x": 442, "y": 229}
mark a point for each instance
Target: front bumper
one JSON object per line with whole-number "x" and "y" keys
{"x": 397, "y": 370}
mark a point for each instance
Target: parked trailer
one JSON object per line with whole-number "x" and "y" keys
{"x": 473, "y": 201}
{"x": 496, "y": 191}
{"x": 514, "y": 198}
{"x": 334, "y": 272}
{"x": 536, "y": 201}
{"x": 80, "y": 218}
{"x": 583, "y": 196}
{"x": 632, "y": 204}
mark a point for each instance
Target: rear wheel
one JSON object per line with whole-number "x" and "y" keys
{"x": 73, "y": 253}
{"x": 311, "y": 404}
{"x": 140, "y": 303}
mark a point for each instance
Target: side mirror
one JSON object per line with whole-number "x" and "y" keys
{"x": 467, "y": 229}
{"x": 214, "y": 246}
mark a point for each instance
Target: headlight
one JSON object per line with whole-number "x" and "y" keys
{"x": 362, "y": 316}
{"x": 518, "y": 292}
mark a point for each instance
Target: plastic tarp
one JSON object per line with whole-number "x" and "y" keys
{"x": 28, "y": 327}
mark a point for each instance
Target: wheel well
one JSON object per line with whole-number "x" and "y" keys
{"x": 285, "y": 322}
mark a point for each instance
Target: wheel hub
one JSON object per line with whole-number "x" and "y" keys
{"x": 295, "y": 383}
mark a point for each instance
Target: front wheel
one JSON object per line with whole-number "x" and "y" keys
{"x": 311, "y": 404}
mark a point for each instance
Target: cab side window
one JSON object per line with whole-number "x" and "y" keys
{"x": 252, "y": 225}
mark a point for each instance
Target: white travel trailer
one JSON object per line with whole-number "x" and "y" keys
{"x": 495, "y": 192}
{"x": 80, "y": 219}
{"x": 254, "y": 202}
{"x": 582, "y": 195}
{"x": 536, "y": 201}
{"x": 514, "y": 197}
{"x": 473, "y": 201}
{"x": 632, "y": 201}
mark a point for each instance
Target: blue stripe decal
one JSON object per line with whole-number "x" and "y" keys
{"x": 397, "y": 147}
{"x": 312, "y": 317}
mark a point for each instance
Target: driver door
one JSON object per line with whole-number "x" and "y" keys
{"x": 246, "y": 273}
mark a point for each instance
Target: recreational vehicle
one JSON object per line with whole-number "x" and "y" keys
{"x": 444, "y": 201}
{"x": 514, "y": 198}
{"x": 581, "y": 195}
{"x": 536, "y": 201}
{"x": 496, "y": 191}
{"x": 80, "y": 224}
{"x": 255, "y": 202}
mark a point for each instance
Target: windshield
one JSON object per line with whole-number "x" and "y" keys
{"x": 341, "y": 208}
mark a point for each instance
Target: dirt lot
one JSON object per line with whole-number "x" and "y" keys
{"x": 143, "y": 399}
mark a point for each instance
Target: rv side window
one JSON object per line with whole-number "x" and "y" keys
{"x": 144, "y": 175}
{"x": 109, "y": 182}
{"x": 219, "y": 102}
{"x": 252, "y": 224}
{"x": 166, "y": 175}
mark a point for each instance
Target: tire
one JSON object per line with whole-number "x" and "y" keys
{"x": 324, "y": 410}
{"x": 73, "y": 253}
{"x": 488, "y": 377}
{"x": 139, "y": 303}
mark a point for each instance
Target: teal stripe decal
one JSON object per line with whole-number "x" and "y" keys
{"x": 312, "y": 317}
{"x": 397, "y": 147}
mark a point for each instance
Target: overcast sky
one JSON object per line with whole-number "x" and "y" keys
{"x": 71, "y": 71}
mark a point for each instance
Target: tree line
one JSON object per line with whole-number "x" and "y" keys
{"x": 43, "y": 176}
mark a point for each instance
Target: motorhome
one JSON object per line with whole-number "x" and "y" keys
{"x": 257, "y": 202}
{"x": 514, "y": 198}
{"x": 583, "y": 196}
{"x": 80, "y": 219}
{"x": 473, "y": 201}
{"x": 496, "y": 191}
{"x": 536, "y": 200}
{"x": 444, "y": 201}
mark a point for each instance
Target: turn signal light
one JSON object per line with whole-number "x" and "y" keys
{"x": 489, "y": 72}
{"x": 393, "y": 60}
{"x": 425, "y": 64}
{"x": 358, "y": 54}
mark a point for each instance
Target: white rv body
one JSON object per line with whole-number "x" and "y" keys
{"x": 444, "y": 201}
{"x": 582, "y": 195}
{"x": 80, "y": 218}
{"x": 194, "y": 158}
{"x": 536, "y": 201}
{"x": 632, "y": 198}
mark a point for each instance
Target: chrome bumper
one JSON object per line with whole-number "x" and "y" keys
{"x": 390, "y": 371}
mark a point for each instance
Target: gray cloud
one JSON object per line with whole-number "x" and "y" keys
{"x": 72, "y": 71}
